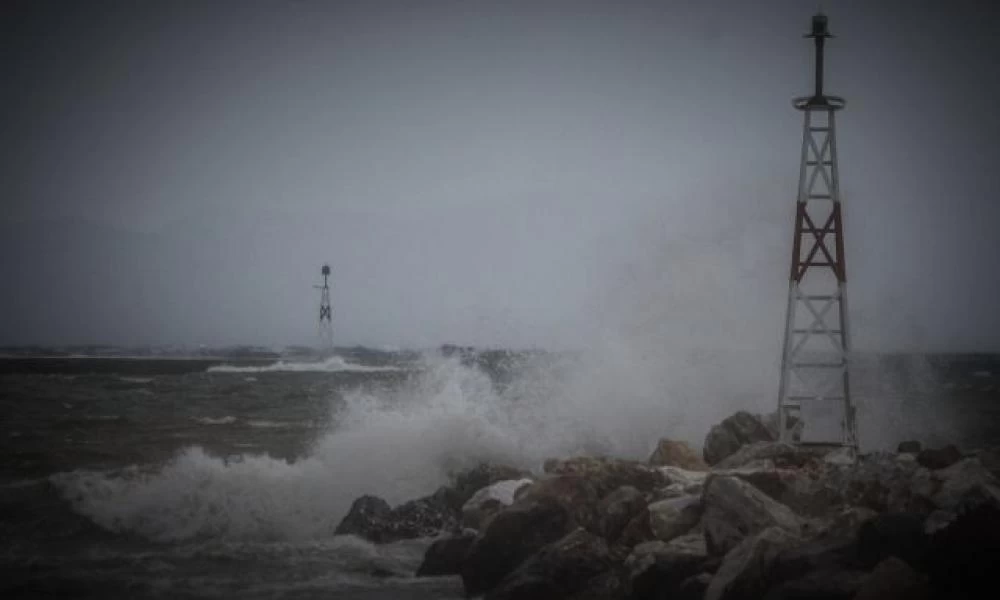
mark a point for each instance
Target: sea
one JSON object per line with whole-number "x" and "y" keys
{"x": 166, "y": 477}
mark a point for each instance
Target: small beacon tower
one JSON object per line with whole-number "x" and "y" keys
{"x": 815, "y": 385}
{"x": 325, "y": 314}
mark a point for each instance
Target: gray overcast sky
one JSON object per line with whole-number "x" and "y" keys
{"x": 500, "y": 173}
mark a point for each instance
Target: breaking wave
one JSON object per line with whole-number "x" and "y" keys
{"x": 332, "y": 364}
{"x": 226, "y": 420}
{"x": 399, "y": 444}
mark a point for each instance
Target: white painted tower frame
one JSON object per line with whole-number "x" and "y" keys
{"x": 815, "y": 383}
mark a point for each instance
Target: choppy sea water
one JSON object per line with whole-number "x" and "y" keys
{"x": 148, "y": 480}
{"x": 199, "y": 484}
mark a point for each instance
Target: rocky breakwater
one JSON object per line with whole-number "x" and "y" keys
{"x": 748, "y": 517}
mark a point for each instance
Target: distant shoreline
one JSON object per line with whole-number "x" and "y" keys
{"x": 120, "y": 365}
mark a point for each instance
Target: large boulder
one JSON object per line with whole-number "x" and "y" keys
{"x": 777, "y": 454}
{"x": 488, "y": 501}
{"x": 964, "y": 557}
{"x": 609, "y": 585}
{"x": 883, "y": 483}
{"x": 990, "y": 458}
{"x": 893, "y": 534}
{"x": 734, "y": 509}
{"x": 693, "y": 588}
{"x": 804, "y": 492}
{"x": 848, "y": 521}
{"x": 676, "y": 454}
{"x": 513, "y": 535}
{"x": 827, "y": 554}
{"x": 674, "y": 517}
{"x": 615, "y": 510}
{"x": 557, "y": 570}
{"x": 964, "y": 484}
{"x": 659, "y": 569}
{"x": 683, "y": 480}
{"x": 733, "y": 432}
{"x": 636, "y": 532}
{"x": 371, "y": 518}
{"x": 608, "y": 474}
{"x": 939, "y": 458}
{"x": 827, "y": 584}
{"x": 466, "y": 483}
{"x": 445, "y": 556}
{"x": 576, "y": 493}
{"x": 893, "y": 579}
{"x": 743, "y": 573}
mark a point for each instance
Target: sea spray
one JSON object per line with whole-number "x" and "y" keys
{"x": 331, "y": 365}
{"x": 401, "y": 443}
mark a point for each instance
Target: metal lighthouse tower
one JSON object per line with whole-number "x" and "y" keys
{"x": 815, "y": 386}
{"x": 325, "y": 314}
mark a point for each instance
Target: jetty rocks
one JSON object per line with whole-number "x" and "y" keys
{"x": 747, "y": 518}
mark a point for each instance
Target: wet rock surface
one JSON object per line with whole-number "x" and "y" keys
{"x": 734, "y": 509}
{"x": 514, "y": 534}
{"x": 557, "y": 570}
{"x": 677, "y": 454}
{"x": 732, "y": 433}
{"x": 767, "y": 521}
{"x": 371, "y": 518}
{"x": 445, "y": 556}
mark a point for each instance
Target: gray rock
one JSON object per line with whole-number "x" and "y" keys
{"x": 965, "y": 556}
{"x": 743, "y": 573}
{"x": 733, "y": 432}
{"x": 964, "y": 484}
{"x": 990, "y": 458}
{"x": 779, "y": 454}
{"x": 893, "y": 534}
{"x": 606, "y": 586}
{"x": 608, "y": 474}
{"x": 825, "y": 553}
{"x": 848, "y": 521}
{"x": 576, "y": 493}
{"x": 488, "y": 501}
{"x": 734, "y": 509}
{"x": 908, "y": 447}
{"x": 676, "y": 454}
{"x": 693, "y": 588}
{"x": 674, "y": 517}
{"x": 615, "y": 510}
{"x": 658, "y": 569}
{"x": 796, "y": 488}
{"x": 366, "y": 518}
{"x": 557, "y": 570}
{"x": 939, "y": 458}
{"x": 883, "y": 483}
{"x": 893, "y": 579}
{"x": 371, "y": 518}
{"x": 445, "y": 556}
{"x": 684, "y": 478}
{"x": 830, "y": 584}
{"x": 467, "y": 483}
{"x": 513, "y": 535}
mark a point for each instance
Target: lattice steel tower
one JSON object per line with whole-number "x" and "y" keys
{"x": 815, "y": 383}
{"x": 325, "y": 314}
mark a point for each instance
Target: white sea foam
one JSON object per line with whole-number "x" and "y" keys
{"x": 399, "y": 445}
{"x": 226, "y": 420}
{"x": 332, "y": 364}
{"x": 265, "y": 424}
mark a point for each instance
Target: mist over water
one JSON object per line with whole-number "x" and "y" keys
{"x": 398, "y": 443}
